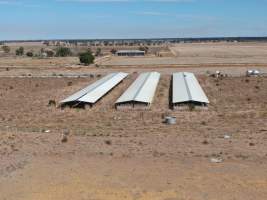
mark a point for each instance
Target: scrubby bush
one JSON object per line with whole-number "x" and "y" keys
{"x": 50, "y": 53}
{"x": 29, "y": 54}
{"x": 6, "y": 49}
{"x": 63, "y": 52}
{"x": 20, "y": 51}
{"x": 86, "y": 58}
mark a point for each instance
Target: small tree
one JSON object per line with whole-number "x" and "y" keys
{"x": 113, "y": 51}
{"x": 63, "y": 52}
{"x": 20, "y": 51}
{"x": 29, "y": 54}
{"x": 86, "y": 58}
{"x": 50, "y": 53}
{"x": 6, "y": 49}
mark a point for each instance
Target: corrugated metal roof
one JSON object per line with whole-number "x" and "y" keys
{"x": 186, "y": 88}
{"x": 95, "y": 91}
{"x": 130, "y": 51}
{"x": 142, "y": 89}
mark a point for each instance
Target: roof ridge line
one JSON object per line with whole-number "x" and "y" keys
{"x": 187, "y": 88}
{"x": 138, "y": 91}
{"x": 114, "y": 74}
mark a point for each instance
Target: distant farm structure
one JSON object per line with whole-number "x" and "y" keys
{"x": 130, "y": 53}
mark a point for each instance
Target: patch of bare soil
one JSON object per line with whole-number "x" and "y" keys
{"x": 201, "y": 53}
{"x": 112, "y": 154}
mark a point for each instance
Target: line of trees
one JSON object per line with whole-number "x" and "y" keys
{"x": 85, "y": 58}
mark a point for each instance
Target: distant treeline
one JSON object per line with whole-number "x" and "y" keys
{"x": 161, "y": 40}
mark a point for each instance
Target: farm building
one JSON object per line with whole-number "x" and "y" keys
{"x": 94, "y": 92}
{"x": 141, "y": 93}
{"x": 130, "y": 53}
{"x": 186, "y": 90}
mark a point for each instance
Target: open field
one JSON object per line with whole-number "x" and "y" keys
{"x": 159, "y": 161}
{"x": 204, "y": 53}
{"x": 188, "y": 54}
{"x": 35, "y": 47}
{"x": 132, "y": 155}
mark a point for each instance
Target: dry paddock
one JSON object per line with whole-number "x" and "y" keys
{"x": 238, "y": 108}
{"x": 132, "y": 155}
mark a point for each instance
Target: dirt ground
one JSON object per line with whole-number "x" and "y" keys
{"x": 111, "y": 154}
{"x": 203, "y": 53}
{"x": 132, "y": 155}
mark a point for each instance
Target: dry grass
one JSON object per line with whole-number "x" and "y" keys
{"x": 120, "y": 154}
{"x": 128, "y": 148}
{"x": 206, "y": 53}
{"x": 24, "y": 107}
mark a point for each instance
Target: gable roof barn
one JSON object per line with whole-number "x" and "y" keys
{"x": 142, "y": 89}
{"x": 93, "y": 92}
{"x": 186, "y": 89}
{"x": 130, "y": 53}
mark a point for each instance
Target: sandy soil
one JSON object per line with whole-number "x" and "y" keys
{"x": 26, "y": 62}
{"x": 132, "y": 155}
{"x": 189, "y": 55}
{"x": 203, "y": 53}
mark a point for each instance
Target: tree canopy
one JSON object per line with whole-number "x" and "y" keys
{"x": 63, "y": 52}
{"x": 6, "y": 49}
{"x": 86, "y": 58}
{"x": 20, "y": 51}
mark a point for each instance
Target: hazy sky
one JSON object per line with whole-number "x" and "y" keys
{"x": 92, "y": 19}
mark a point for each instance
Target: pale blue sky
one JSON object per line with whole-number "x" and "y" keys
{"x": 96, "y": 19}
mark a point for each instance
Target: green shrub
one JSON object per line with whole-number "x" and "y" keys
{"x": 50, "y": 53}
{"x": 29, "y": 54}
{"x": 20, "y": 51}
{"x": 6, "y": 49}
{"x": 86, "y": 58}
{"x": 63, "y": 52}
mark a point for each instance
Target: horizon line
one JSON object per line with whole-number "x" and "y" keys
{"x": 153, "y": 38}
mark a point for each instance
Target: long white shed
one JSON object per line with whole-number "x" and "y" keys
{"x": 93, "y": 92}
{"x": 141, "y": 92}
{"x": 186, "y": 89}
